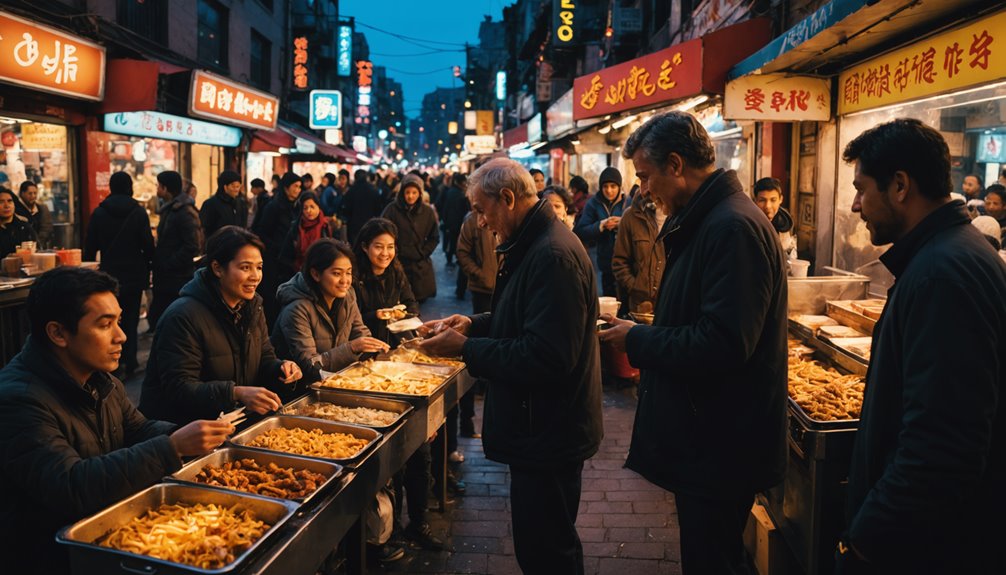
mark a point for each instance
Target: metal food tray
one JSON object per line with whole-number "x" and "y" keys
{"x": 187, "y": 474}
{"x": 448, "y": 372}
{"x": 347, "y": 399}
{"x": 309, "y": 423}
{"x": 817, "y": 424}
{"x": 88, "y": 557}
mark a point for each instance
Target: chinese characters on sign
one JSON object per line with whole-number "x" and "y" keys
{"x": 300, "y": 62}
{"x": 50, "y": 60}
{"x": 217, "y": 98}
{"x": 325, "y": 109}
{"x": 778, "y": 98}
{"x": 345, "y": 54}
{"x": 964, "y": 57}
{"x": 675, "y": 72}
{"x": 365, "y": 73}
{"x": 170, "y": 127}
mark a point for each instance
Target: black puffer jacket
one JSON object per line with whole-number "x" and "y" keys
{"x": 711, "y": 419}
{"x": 538, "y": 349}
{"x": 120, "y": 230}
{"x": 17, "y": 231}
{"x": 360, "y": 203}
{"x": 453, "y": 208}
{"x": 223, "y": 210}
{"x": 65, "y": 454}
{"x": 277, "y": 218}
{"x": 379, "y": 292}
{"x": 179, "y": 241}
{"x": 202, "y": 350}
{"x": 418, "y": 237}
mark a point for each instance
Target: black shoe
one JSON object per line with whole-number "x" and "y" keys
{"x": 468, "y": 430}
{"x": 420, "y": 535}
{"x": 455, "y": 486}
{"x": 386, "y": 553}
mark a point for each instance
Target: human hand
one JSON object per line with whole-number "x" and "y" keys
{"x": 615, "y": 336}
{"x": 257, "y": 399}
{"x": 289, "y": 372}
{"x": 200, "y": 437}
{"x": 447, "y": 343}
{"x": 367, "y": 344}
{"x": 457, "y": 322}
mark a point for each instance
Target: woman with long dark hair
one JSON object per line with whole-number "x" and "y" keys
{"x": 380, "y": 282}
{"x": 212, "y": 348}
{"x": 310, "y": 226}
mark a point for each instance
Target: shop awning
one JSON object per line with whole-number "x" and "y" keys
{"x": 316, "y": 149}
{"x": 131, "y": 86}
{"x": 270, "y": 141}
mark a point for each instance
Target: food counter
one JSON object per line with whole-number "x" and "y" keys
{"x": 302, "y": 541}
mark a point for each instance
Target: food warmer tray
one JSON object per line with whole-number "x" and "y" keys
{"x": 88, "y": 557}
{"x": 309, "y": 423}
{"x": 347, "y": 399}
{"x": 187, "y": 474}
{"x": 417, "y": 400}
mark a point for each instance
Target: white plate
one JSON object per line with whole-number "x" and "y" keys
{"x": 405, "y": 325}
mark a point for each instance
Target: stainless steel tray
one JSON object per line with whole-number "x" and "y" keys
{"x": 291, "y": 422}
{"x": 346, "y": 399}
{"x": 88, "y": 557}
{"x": 448, "y": 372}
{"x": 188, "y": 473}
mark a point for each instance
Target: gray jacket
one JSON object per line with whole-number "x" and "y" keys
{"x": 306, "y": 333}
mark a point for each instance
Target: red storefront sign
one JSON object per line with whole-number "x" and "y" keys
{"x": 515, "y": 136}
{"x": 223, "y": 100}
{"x": 681, "y": 71}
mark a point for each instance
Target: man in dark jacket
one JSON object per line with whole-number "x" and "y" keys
{"x": 262, "y": 197}
{"x": 277, "y": 219}
{"x": 638, "y": 261}
{"x": 37, "y": 213}
{"x": 538, "y": 351}
{"x": 227, "y": 207}
{"x": 71, "y": 443}
{"x": 768, "y": 197}
{"x": 711, "y": 420}
{"x": 599, "y": 223}
{"x": 454, "y": 206}
{"x": 179, "y": 243}
{"x": 120, "y": 231}
{"x": 360, "y": 203}
{"x": 929, "y": 463}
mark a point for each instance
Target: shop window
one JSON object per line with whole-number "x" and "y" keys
{"x": 148, "y": 18}
{"x": 261, "y": 61}
{"x": 212, "y": 28}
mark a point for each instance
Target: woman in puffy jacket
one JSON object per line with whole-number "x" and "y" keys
{"x": 418, "y": 236}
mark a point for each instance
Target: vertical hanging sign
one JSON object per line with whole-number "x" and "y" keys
{"x": 300, "y": 62}
{"x": 364, "y": 73}
{"x": 564, "y": 20}
{"x": 345, "y": 54}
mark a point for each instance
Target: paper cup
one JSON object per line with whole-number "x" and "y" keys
{"x": 799, "y": 268}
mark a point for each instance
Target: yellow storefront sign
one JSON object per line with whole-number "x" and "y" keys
{"x": 968, "y": 56}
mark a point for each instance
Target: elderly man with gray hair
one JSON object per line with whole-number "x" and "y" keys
{"x": 711, "y": 421}
{"x": 538, "y": 351}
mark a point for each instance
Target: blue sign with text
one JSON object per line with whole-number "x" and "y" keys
{"x": 326, "y": 109}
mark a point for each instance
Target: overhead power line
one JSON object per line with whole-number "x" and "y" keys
{"x": 422, "y": 43}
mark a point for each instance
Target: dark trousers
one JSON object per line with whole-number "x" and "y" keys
{"x": 712, "y": 534}
{"x": 543, "y": 507}
{"x": 450, "y": 243}
{"x": 414, "y": 478}
{"x": 129, "y": 301}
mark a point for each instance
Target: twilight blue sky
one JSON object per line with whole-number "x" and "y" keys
{"x": 441, "y": 26}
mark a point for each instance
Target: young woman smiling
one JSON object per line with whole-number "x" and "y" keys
{"x": 381, "y": 282}
{"x": 311, "y": 225}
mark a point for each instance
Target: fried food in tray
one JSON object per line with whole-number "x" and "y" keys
{"x": 359, "y": 415}
{"x": 204, "y": 536}
{"x": 310, "y": 443}
{"x": 387, "y": 377}
{"x": 270, "y": 480}
{"x": 799, "y": 350}
{"x": 823, "y": 393}
{"x": 408, "y": 354}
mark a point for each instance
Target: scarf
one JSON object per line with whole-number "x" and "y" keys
{"x": 309, "y": 232}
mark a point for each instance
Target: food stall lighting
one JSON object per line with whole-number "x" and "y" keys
{"x": 468, "y": 103}
{"x": 623, "y": 122}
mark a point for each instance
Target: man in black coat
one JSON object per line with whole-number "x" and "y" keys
{"x": 71, "y": 443}
{"x": 179, "y": 243}
{"x": 360, "y": 203}
{"x": 120, "y": 231}
{"x": 453, "y": 209}
{"x": 227, "y": 207}
{"x": 277, "y": 218}
{"x": 929, "y": 463}
{"x": 538, "y": 351}
{"x": 711, "y": 421}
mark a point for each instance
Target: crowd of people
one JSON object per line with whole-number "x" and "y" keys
{"x": 254, "y": 298}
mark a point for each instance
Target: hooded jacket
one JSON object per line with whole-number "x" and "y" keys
{"x": 711, "y": 419}
{"x": 179, "y": 241}
{"x": 202, "y": 349}
{"x": 66, "y": 453}
{"x": 418, "y": 237}
{"x": 587, "y": 227}
{"x": 313, "y": 336}
{"x": 538, "y": 349}
{"x": 379, "y": 292}
{"x": 638, "y": 260}
{"x": 223, "y": 210}
{"x": 477, "y": 255}
{"x": 120, "y": 230}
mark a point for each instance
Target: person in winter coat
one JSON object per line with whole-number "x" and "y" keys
{"x": 37, "y": 213}
{"x": 212, "y": 349}
{"x": 329, "y": 198}
{"x": 454, "y": 207}
{"x": 417, "y": 237}
{"x": 379, "y": 280}
{"x": 598, "y": 224}
{"x": 768, "y": 197}
{"x": 179, "y": 243}
{"x": 477, "y": 259}
{"x": 320, "y": 326}
{"x": 310, "y": 226}
{"x": 227, "y": 207}
{"x": 561, "y": 203}
{"x": 120, "y": 231}
{"x": 928, "y": 465}
{"x": 638, "y": 261}
{"x": 262, "y": 197}
{"x": 278, "y": 218}
{"x": 360, "y": 203}
{"x": 538, "y": 351}
{"x": 711, "y": 421}
{"x": 581, "y": 194}
{"x": 71, "y": 443}
{"x": 14, "y": 228}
